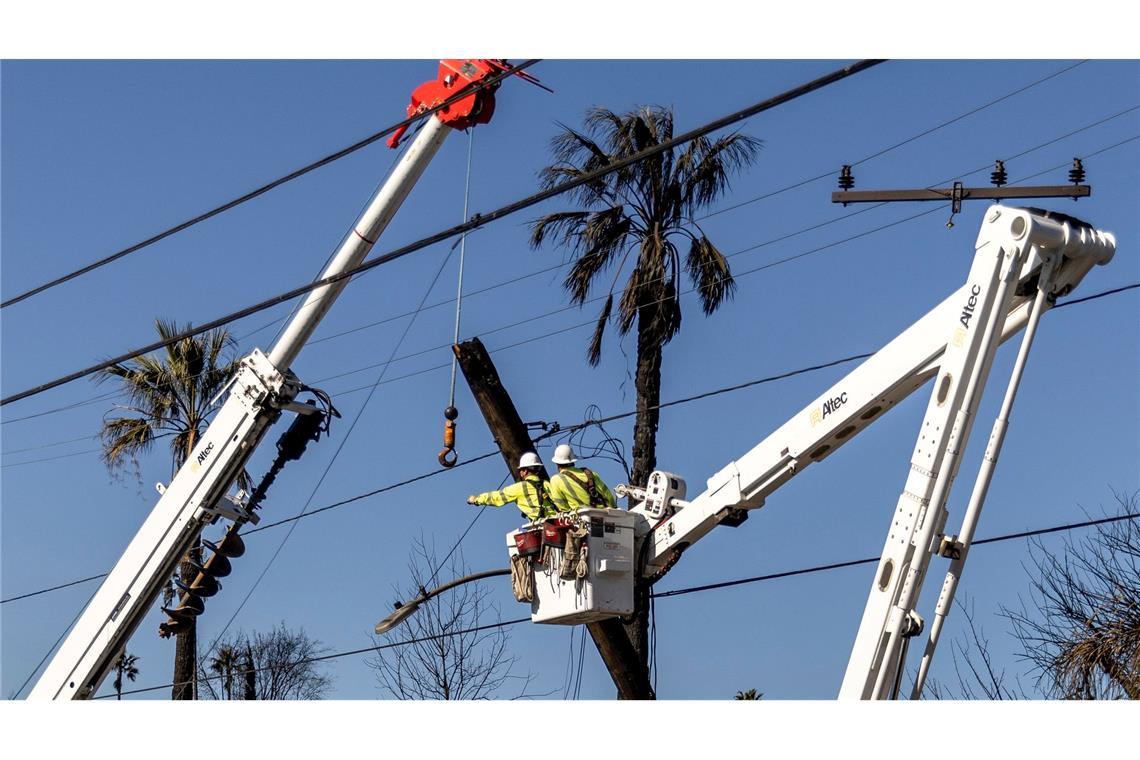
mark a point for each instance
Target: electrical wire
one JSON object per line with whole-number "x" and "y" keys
{"x": 884, "y": 151}
{"x": 753, "y": 247}
{"x": 332, "y": 460}
{"x": 576, "y": 426}
{"x": 476, "y": 221}
{"x": 869, "y": 560}
{"x": 419, "y": 117}
{"x": 664, "y": 594}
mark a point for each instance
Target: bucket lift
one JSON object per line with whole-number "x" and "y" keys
{"x": 1024, "y": 259}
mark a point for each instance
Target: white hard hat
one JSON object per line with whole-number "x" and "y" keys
{"x": 530, "y": 459}
{"x": 563, "y": 454}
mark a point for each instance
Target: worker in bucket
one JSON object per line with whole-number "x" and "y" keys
{"x": 572, "y": 487}
{"x": 530, "y": 494}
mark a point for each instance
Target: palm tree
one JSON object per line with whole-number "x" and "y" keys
{"x": 640, "y": 214}
{"x": 750, "y": 694}
{"x": 169, "y": 396}
{"x": 224, "y": 663}
{"x": 125, "y": 665}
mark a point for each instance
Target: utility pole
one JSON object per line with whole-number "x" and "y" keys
{"x": 629, "y": 674}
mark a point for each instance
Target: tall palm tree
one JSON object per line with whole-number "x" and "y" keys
{"x": 125, "y": 665}
{"x": 169, "y": 395}
{"x": 641, "y": 215}
{"x": 225, "y": 663}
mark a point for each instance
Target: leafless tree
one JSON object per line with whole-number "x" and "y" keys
{"x": 437, "y": 653}
{"x": 277, "y": 665}
{"x": 978, "y": 676}
{"x": 1081, "y": 627}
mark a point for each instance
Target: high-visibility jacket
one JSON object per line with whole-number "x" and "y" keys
{"x": 531, "y": 495}
{"x": 569, "y": 490}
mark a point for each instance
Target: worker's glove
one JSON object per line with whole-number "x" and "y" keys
{"x": 470, "y": 499}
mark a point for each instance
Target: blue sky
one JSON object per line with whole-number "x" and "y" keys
{"x": 101, "y": 154}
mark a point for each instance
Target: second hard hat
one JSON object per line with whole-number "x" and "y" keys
{"x": 530, "y": 459}
{"x": 563, "y": 454}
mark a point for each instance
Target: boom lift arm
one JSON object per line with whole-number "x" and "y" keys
{"x": 1024, "y": 259}
{"x": 263, "y": 388}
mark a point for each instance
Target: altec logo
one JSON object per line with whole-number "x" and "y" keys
{"x": 205, "y": 452}
{"x": 829, "y": 406}
{"x": 968, "y": 310}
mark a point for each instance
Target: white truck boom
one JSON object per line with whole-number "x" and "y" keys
{"x": 1023, "y": 260}
{"x": 262, "y": 389}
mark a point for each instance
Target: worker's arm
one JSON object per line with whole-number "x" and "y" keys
{"x": 605, "y": 492}
{"x": 508, "y": 495}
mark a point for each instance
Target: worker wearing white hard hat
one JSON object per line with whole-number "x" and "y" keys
{"x": 530, "y": 493}
{"x": 573, "y": 488}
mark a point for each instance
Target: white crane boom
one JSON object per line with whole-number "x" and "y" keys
{"x": 262, "y": 389}
{"x": 1024, "y": 259}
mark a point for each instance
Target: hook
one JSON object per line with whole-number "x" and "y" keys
{"x": 447, "y": 456}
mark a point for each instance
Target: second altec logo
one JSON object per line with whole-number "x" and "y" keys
{"x": 968, "y": 309}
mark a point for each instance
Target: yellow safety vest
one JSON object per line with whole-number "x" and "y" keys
{"x": 569, "y": 492}
{"x": 531, "y": 496}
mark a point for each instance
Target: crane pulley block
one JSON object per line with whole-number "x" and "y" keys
{"x": 455, "y": 75}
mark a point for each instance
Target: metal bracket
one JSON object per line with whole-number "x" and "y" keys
{"x": 951, "y": 548}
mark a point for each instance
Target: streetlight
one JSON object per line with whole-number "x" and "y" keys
{"x": 404, "y": 610}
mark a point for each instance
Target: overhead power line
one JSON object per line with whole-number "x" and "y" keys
{"x": 660, "y": 595}
{"x": 465, "y": 92}
{"x": 476, "y": 221}
{"x": 771, "y": 241}
{"x": 563, "y": 430}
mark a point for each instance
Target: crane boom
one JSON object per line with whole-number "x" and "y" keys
{"x": 1024, "y": 259}
{"x": 263, "y": 388}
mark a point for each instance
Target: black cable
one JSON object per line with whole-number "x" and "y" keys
{"x": 577, "y": 426}
{"x": 677, "y": 592}
{"x": 560, "y": 266}
{"x": 332, "y": 460}
{"x": 53, "y": 646}
{"x": 465, "y": 92}
{"x": 865, "y": 159}
{"x": 476, "y": 221}
{"x": 869, "y": 560}
{"x": 336, "y": 655}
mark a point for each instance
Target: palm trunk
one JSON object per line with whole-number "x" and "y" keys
{"x": 648, "y": 385}
{"x": 186, "y": 643}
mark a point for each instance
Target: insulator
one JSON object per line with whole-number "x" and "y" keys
{"x": 231, "y": 545}
{"x": 998, "y": 176}
{"x": 180, "y": 615}
{"x": 846, "y": 179}
{"x": 1077, "y": 173}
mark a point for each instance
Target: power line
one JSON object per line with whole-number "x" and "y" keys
{"x": 869, "y": 560}
{"x": 572, "y": 428}
{"x": 665, "y": 594}
{"x": 753, "y": 247}
{"x": 336, "y": 454}
{"x": 465, "y": 92}
{"x": 476, "y": 221}
{"x": 883, "y": 151}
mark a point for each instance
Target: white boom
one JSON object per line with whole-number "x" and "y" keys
{"x": 1024, "y": 259}
{"x": 262, "y": 389}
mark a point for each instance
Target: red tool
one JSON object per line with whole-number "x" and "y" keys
{"x": 455, "y": 75}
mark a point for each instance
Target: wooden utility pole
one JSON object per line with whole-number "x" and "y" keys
{"x": 630, "y": 676}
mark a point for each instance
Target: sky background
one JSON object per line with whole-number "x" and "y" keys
{"x": 98, "y": 155}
